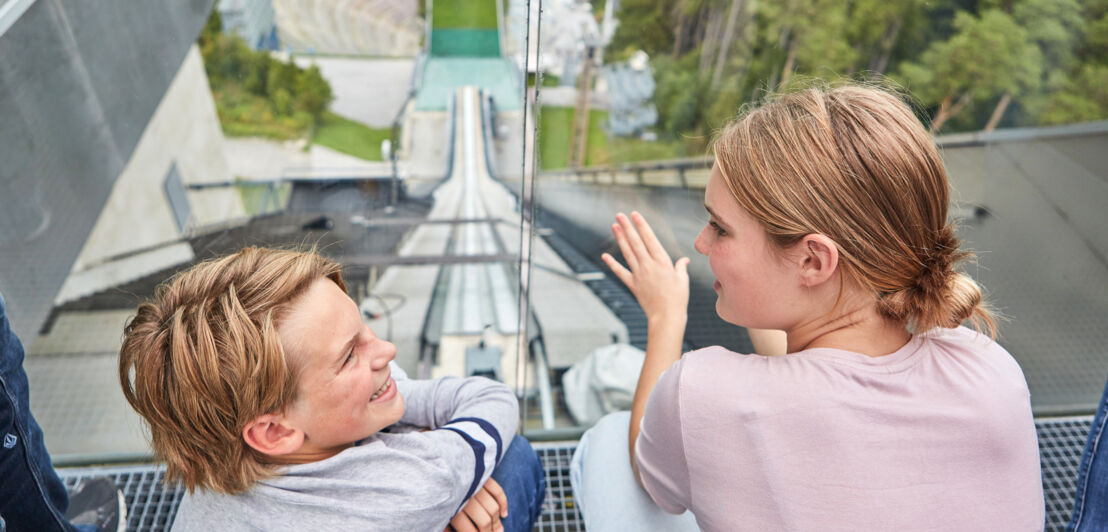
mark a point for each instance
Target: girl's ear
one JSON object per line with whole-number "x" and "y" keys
{"x": 818, "y": 259}
{"x": 269, "y": 434}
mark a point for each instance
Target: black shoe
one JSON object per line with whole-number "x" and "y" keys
{"x": 96, "y": 501}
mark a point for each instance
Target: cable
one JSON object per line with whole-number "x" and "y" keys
{"x": 386, "y": 310}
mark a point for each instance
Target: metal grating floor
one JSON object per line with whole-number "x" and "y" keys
{"x": 1061, "y": 442}
{"x": 151, "y": 506}
{"x": 559, "y": 510}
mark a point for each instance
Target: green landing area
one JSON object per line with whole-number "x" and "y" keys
{"x": 464, "y": 28}
{"x": 465, "y": 43}
{"x": 442, "y": 76}
{"x": 471, "y": 14}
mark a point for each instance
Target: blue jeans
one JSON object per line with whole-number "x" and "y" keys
{"x": 605, "y": 488}
{"x": 31, "y": 495}
{"x": 1090, "y": 508}
{"x": 520, "y": 474}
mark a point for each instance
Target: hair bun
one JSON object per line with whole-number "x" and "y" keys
{"x": 940, "y": 295}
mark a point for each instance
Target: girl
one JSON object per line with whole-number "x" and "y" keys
{"x": 827, "y": 220}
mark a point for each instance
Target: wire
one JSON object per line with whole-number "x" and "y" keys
{"x": 386, "y": 310}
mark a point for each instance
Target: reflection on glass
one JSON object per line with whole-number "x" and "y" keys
{"x": 464, "y": 161}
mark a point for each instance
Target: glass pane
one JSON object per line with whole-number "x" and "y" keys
{"x": 627, "y": 112}
{"x": 372, "y": 132}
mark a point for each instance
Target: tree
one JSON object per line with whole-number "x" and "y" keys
{"x": 313, "y": 93}
{"x": 987, "y": 57}
{"x": 1055, "y": 27}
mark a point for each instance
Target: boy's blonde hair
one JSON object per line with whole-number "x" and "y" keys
{"x": 855, "y": 164}
{"x": 203, "y": 359}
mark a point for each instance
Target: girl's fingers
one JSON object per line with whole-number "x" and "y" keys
{"x": 650, "y": 240}
{"x": 625, "y": 246}
{"x": 622, "y": 273}
{"x": 682, "y": 267}
{"x": 633, "y": 238}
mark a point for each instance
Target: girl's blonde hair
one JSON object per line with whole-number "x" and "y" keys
{"x": 854, "y": 163}
{"x": 203, "y": 359}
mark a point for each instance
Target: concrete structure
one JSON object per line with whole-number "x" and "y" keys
{"x": 253, "y": 20}
{"x": 370, "y": 27}
{"x": 76, "y": 94}
{"x": 182, "y": 144}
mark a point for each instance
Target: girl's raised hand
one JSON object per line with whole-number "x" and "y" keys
{"x": 660, "y": 286}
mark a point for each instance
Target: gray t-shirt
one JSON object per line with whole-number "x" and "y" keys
{"x": 389, "y": 481}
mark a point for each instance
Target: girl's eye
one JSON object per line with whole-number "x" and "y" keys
{"x": 719, "y": 230}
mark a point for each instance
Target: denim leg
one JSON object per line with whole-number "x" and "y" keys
{"x": 520, "y": 474}
{"x": 1090, "y": 509}
{"x": 605, "y": 488}
{"x": 32, "y": 497}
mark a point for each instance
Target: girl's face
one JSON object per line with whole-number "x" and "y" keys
{"x": 757, "y": 286}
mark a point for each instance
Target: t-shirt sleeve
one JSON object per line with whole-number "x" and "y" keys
{"x": 472, "y": 422}
{"x": 660, "y": 448}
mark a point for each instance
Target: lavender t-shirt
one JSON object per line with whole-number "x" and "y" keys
{"x": 936, "y": 436}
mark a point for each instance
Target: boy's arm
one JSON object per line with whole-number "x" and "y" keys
{"x": 436, "y": 403}
{"x": 473, "y": 420}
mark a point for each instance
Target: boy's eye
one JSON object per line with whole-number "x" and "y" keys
{"x": 719, "y": 230}
{"x": 349, "y": 356}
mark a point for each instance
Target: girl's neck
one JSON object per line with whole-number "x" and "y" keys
{"x": 861, "y": 330}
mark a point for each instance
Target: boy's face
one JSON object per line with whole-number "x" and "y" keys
{"x": 346, "y": 392}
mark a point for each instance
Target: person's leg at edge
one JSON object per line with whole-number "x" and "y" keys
{"x": 605, "y": 488}
{"x": 520, "y": 474}
{"x": 1090, "y": 511}
{"x": 32, "y": 497}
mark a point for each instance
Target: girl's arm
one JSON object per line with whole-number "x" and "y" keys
{"x": 662, "y": 289}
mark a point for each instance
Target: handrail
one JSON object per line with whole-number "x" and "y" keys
{"x": 953, "y": 140}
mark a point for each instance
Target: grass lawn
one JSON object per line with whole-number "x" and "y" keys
{"x": 350, "y": 137}
{"x": 556, "y": 132}
{"x": 457, "y": 14}
{"x": 555, "y": 135}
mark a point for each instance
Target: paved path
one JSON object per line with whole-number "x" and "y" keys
{"x": 370, "y": 91}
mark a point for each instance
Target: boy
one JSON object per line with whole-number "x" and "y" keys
{"x": 266, "y": 395}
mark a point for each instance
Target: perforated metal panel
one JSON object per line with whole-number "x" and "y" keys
{"x": 151, "y": 506}
{"x": 559, "y": 509}
{"x": 1061, "y": 442}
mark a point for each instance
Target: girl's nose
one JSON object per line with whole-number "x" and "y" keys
{"x": 701, "y": 242}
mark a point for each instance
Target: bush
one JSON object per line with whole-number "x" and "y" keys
{"x": 255, "y": 94}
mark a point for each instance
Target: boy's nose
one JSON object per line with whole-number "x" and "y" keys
{"x": 385, "y": 352}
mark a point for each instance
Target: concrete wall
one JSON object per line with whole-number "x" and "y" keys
{"x": 184, "y": 131}
{"x": 79, "y": 82}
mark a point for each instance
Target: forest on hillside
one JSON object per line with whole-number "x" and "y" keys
{"x": 970, "y": 64}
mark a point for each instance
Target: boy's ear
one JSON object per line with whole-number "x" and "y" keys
{"x": 268, "y": 434}
{"x": 818, "y": 259}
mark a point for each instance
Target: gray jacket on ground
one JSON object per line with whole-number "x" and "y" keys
{"x": 408, "y": 481}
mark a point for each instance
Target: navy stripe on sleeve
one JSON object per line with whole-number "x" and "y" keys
{"x": 478, "y": 459}
{"x": 488, "y": 428}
